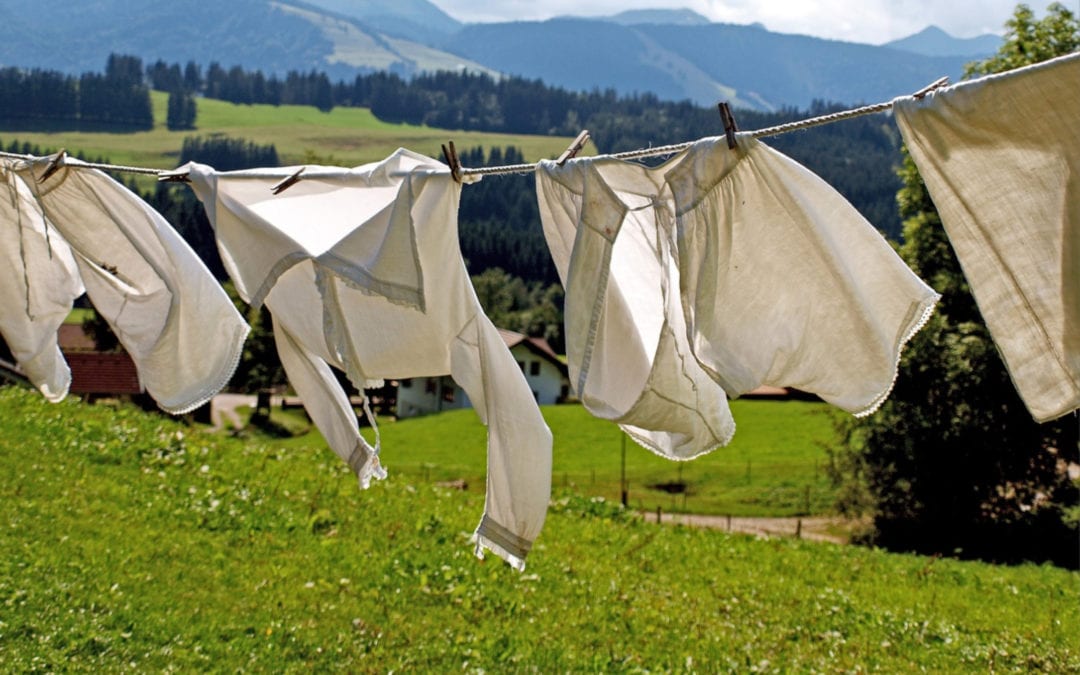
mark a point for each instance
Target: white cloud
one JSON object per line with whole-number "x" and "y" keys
{"x": 869, "y": 21}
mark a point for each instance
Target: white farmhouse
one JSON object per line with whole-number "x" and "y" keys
{"x": 544, "y": 371}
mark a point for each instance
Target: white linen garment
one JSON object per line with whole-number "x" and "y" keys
{"x": 610, "y": 230}
{"x": 167, "y": 310}
{"x": 361, "y": 271}
{"x": 38, "y": 285}
{"x": 783, "y": 282}
{"x": 1000, "y": 156}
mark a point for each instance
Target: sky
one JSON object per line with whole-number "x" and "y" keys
{"x": 866, "y": 21}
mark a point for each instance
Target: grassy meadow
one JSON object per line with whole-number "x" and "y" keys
{"x": 133, "y": 543}
{"x": 301, "y": 134}
{"x": 775, "y": 466}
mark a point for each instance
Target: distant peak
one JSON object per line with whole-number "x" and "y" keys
{"x": 679, "y": 17}
{"x": 933, "y": 41}
{"x": 931, "y": 31}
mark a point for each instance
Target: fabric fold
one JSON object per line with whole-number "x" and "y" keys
{"x": 717, "y": 272}
{"x": 169, "y": 313}
{"x": 39, "y": 283}
{"x": 783, "y": 281}
{"x": 610, "y": 232}
{"x": 1000, "y": 157}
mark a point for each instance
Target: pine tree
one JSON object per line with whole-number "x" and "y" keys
{"x": 181, "y": 111}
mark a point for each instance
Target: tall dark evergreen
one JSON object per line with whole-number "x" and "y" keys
{"x": 38, "y": 98}
{"x": 118, "y": 99}
{"x": 181, "y": 112}
{"x": 227, "y": 154}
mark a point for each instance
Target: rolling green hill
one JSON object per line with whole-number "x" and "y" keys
{"x": 344, "y": 136}
{"x": 130, "y": 543}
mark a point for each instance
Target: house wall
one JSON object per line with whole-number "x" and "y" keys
{"x": 426, "y": 395}
{"x": 547, "y": 383}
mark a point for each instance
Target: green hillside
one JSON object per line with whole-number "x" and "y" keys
{"x": 131, "y": 543}
{"x": 344, "y": 136}
{"x": 774, "y": 467}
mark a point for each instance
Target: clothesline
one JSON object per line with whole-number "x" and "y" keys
{"x": 531, "y": 167}
{"x": 760, "y": 133}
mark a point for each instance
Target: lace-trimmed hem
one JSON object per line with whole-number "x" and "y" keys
{"x": 926, "y": 311}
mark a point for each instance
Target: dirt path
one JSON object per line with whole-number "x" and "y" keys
{"x": 815, "y": 528}
{"x": 223, "y": 410}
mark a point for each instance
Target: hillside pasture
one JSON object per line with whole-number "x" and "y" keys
{"x": 129, "y": 542}
{"x": 301, "y": 134}
{"x": 776, "y": 465}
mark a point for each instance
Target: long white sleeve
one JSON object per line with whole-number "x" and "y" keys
{"x": 329, "y": 407}
{"x": 519, "y": 441}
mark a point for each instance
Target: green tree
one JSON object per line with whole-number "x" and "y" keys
{"x": 1028, "y": 40}
{"x": 953, "y": 461}
{"x": 181, "y": 111}
{"x": 260, "y": 367}
{"x": 532, "y": 308}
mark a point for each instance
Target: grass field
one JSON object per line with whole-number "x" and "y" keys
{"x": 130, "y": 543}
{"x": 775, "y": 466}
{"x": 344, "y": 136}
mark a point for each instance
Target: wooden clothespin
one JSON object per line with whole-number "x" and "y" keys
{"x": 450, "y": 155}
{"x": 729, "y": 124}
{"x": 936, "y": 84}
{"x": 178, "y": 176}
{"x": 54, "y": 165}
{"x": 288, "y": 182}
{"x": 575, "y": 147}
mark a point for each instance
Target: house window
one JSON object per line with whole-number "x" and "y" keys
{"x": 405, "y": 384}
{"x": 534, "y": 368}
{"x": 430, "y": 385}
{"x": 521, "y": 364}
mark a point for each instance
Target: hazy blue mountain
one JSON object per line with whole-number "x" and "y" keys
{"x": 675, "y": 55}
{"x": 932, "y": 41}
{"x": 273, "y": 36}
{"x": 747, "y": 65}
{"x": 78, "y": 36}
{"x": 417, "y": 20}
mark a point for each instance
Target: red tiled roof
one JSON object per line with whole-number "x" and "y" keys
{"x": 539, "y": 346}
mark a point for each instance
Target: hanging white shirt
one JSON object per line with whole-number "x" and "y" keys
{"x": 38, "y": 285}
{"x": 361, "y": 270}
{"x": 610, "y": 229}
{"x": 166, "y": 309}
{"x": 783, "y": 282}
{"x": 1000, "y": 157}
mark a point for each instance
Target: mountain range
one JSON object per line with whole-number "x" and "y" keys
{"x": 675, "y": 55}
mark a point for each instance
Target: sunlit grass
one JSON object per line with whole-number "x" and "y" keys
{"x": 129, "y": 542}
